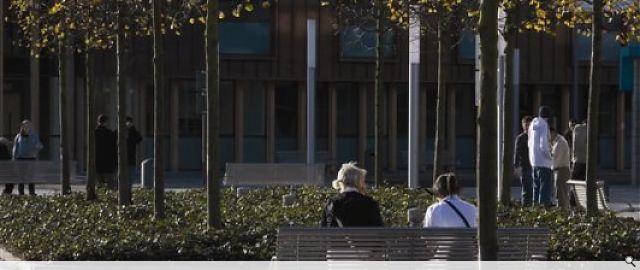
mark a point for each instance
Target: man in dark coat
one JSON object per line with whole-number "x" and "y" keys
{"x": 106, "y": 153}
{"x": 522, "y": 164}
{"x": 5, "y": 154}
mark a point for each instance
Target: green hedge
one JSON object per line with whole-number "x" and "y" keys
{"x": 70, "y": 228}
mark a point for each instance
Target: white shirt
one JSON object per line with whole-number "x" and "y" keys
{"x": 560, "y": 152}
{"x": 539, "y": 144}
{"x": 442, "y": 215}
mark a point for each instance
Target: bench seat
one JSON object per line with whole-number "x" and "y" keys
{"x": 405, "y": 244}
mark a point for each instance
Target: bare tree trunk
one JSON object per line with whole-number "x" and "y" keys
{"x": 64, "y": 135}
{"x": 594, "y": 107}
{"x": 441, "y": 107}
{"x": 213, "y": 114}
{"x": 91, "y": 125}
{"x": 124, "y": 195}
{"x": 159, "y": 96}
{"x": 377, "y": 95}
{"x": 486, "y": 155}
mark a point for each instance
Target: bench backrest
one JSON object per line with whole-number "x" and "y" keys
{"x": 33, "y": 171}
{"x": 243, "y": 174}
{"x": 401, "y": 244}
{"x": 580, "y": 190}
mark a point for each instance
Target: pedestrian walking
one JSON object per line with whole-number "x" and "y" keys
{"x": 106, "y": 153}
{"x": 579, "y": 152}
{"x": 561, "y": 163}
{"x": 568, "y": 134}
{"x": 133, "y": 139}
{"x": 540, "y": 157}
{"x": 5, "y": 154}
{"x": 26, "y": 146}
{"x": 522, "y": 164}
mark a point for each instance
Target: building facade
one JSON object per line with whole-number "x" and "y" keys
{"x": 263, "y": 92}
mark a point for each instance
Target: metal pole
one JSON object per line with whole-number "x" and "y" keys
{"x": 2, "y": 112}
{"x": 414, "y": 99}
{"x": 311, "y": 89}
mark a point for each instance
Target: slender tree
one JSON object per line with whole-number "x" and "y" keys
{"x": 441, "y": 103}
{"x": 594, "y": 106}
{"x": 159, "y": 101}
{"x": 377, "y": 93}
{"x": 213, "y": 111}
{"x": 486, "y": 155}
{"x": 63, "y": 79}
{"x": 124, "y": 188}
{"x": 90, "y": 124}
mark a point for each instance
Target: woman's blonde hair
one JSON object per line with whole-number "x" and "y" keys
{"x": 349, "y": 175}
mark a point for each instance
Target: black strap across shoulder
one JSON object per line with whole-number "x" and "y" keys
{"x": 466, "y": 223}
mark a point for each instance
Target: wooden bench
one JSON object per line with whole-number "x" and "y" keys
{"x": 266, "y": 174}
{"x": 579, "y": 189}
{"x": 33, "y": 171}
{"x": 405, "y": 244}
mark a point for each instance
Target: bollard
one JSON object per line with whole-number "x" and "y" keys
{"x": 288, "y": 200}
{"x": 414, "y": 217}
{"x": 147, "y": 173}
{"x": 241, "y": 191}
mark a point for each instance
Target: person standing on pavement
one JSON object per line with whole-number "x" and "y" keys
{"x": 5, "y": 154}
{"x": 540, "y": 157}
{"x": 26, "y": 146}
{"x": 579, "y": 152}
{"x": 106, "y": 153}
{"x": 561, "y": 163}
{"x": 133, "y": 139}
{"x": 521, "y": 163}
{"x": 568, "y": 134}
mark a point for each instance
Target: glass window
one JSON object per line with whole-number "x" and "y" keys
{"x": 286, "y": 116}
{"x": 610, "y": 47}
{"x": 467, "y": 45}
{"x": 360, "y": 42}
{"x": 247, "y": 34}
{"x": 347, "y": 109}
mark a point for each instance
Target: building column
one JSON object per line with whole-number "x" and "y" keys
{"x": 239, "y": 122}
{"x": 333, "y": 124}
{"x": 620, "y": 144}
{"x": 565, "y": 114}
{"x": 423, "y": 128}
{"x": 34, "y": 90}
{"x": 174, "y": 135}
{"x": 80, "y": 123}
{"x": 271, "y": 122}
{"x": 71, "y": 92}
{"x": 2, "y": 108}
{"x": 537, "y": 99}
{"x": 362, "y": 124}
{"x": 451, "y": 128}
{"x": 302, "y": 119}
{"x": 392, "y": 139}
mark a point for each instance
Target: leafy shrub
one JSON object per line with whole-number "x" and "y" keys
{"x": 70, "y": 228}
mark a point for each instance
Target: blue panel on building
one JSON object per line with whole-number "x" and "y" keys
{"x": 627, "y": 54}
{"x": 245, "y": 38}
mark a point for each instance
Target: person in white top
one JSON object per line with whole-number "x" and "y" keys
{"x": 561, "y": 164}
{"x": 540, "y": 157}
{"x": 450, "y": 211}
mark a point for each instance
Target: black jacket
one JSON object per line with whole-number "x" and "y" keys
{"x": 352, "y": 209}
{"x": 133, "y": 139}
{"x": 106, "y": 150}
{"x": 5, "y": 153}
{"x": 521, "y": 159}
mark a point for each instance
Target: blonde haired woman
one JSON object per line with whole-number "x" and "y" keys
{"x": 351, "y": 207}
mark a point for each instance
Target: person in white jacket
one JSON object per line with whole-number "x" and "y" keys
{"x": 561, "y": 163}
{"x": 540, "y": 157}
